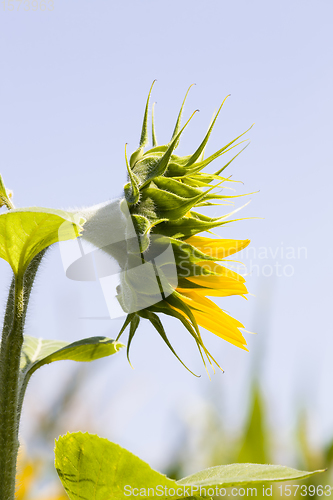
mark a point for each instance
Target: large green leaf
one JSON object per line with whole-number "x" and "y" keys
{"x": 93, "y": 468}
{"x": 225, "y": 476}
{"x": 26, "y": 232}
{"x": 39, "y": 352}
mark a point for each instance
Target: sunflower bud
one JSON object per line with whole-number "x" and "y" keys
{"x": 163, "y": 192}
{"x": 163, "y": 264}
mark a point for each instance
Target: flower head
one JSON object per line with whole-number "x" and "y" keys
{"x": 163, "y": 193}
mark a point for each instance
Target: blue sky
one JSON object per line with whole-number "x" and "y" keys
{"x": 73, "y": 86}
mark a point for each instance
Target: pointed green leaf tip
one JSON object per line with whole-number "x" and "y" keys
{"x": 153, "y": 133}
{"x": 202, "y": 146}
{"x": 157, "y": 324}
{"x": 144, "y": 133}
{"x": 92, "y": 467}
{"x": 135, "y": 321}
{"x": 179, "y": 119}
{"x": 225, "y": 476}
{"x": 26, "y": 232}
{"x": 161, "y": 165}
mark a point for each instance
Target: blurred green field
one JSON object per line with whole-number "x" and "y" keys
{"x": 255, "y": 441}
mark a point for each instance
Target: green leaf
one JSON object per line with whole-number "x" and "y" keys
{"x": 90, "y": 467}
{"x": 26, "y": 232}
{"x": 226, "y": 476}
{"x": 39, "y": 352}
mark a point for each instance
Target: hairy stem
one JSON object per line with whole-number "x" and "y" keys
{"x": 7, "y": 201}
{"x": 29, "y": 279}
{"x": 10, "y": 354}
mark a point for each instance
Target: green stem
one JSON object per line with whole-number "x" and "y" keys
{"x": 10, "y": 397}
{"x": 7, "y": 201}
{"x": 29, "y": 278}
{"x": 10, "y": 353}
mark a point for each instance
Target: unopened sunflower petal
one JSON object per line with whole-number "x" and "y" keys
{"x": 218, "y": 248}
{"x": 222, "y": 283}
{"x": 221, "y": 270}
{"x": 233, "y": 336}
{"x": 211, "y": 317}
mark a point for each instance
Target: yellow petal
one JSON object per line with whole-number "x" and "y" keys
{"x": 211, "y": 292}
{"x": 206, "y": 305}
{"x": 211, "y": 317}
{"x": 223, "y": 271}
{"x": 194, "y": 300}
{"x": 221, "y": 329}
{"x": 217, "y": 247}
{"x": 226, "y": 286}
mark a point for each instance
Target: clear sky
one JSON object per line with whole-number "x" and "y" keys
{"x": 73, "y": 86}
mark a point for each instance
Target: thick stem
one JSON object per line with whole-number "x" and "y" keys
{"x": 11, "y": 396}
{"x": 29, "y": 278}
{"x": 10, "y": 353}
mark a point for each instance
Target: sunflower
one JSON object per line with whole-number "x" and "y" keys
{"x": 162, "y": 195}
